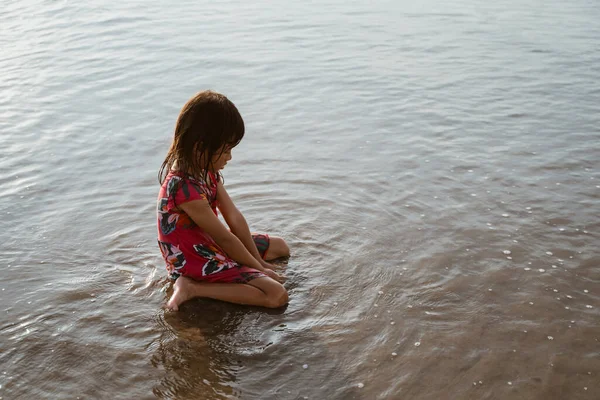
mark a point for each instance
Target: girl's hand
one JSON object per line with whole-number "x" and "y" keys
{"x": 267, "y": 265}
{"x": 274, "y": 275}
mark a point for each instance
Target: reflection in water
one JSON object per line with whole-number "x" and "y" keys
{"x": 200, "y": 348}
{"x": 193, "y": 351}
{"x": 214, "y": 349}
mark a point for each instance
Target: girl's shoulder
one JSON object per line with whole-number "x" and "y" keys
{"x": 175, "y": 179}
{"x": 179, "y": 187}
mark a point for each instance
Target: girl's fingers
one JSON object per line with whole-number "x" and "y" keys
{"x": 274, "y": 275}
{"x": 272, "y": 267}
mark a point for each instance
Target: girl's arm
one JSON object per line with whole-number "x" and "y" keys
{"x": 237, "y": 223}
{"x": 201, "y": 213}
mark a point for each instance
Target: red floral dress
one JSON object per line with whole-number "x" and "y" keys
{"x": 187, "y": 249}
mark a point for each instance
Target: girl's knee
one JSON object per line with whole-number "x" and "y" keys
{"x": 278, "y": 298}
{"x": 277, "y": 248}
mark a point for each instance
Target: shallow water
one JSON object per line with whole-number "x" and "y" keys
{"x": 434, "y": 168}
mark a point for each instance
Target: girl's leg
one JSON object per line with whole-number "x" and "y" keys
{"x": 264, "y": 292}
{"x": 277, "y": 248}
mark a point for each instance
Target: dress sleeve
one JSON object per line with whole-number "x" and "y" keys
{"x": 182, "y": 190}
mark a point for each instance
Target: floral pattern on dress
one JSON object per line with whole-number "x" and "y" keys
{"x": 191, "y": 188}
{"x": 186, "y": 248}
{"x": 166, "y": 221}
{"x": 216, "y": 261}
{"x": 174, "y": 258}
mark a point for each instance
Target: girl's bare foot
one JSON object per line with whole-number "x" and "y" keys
{"x": 181, "y": 293}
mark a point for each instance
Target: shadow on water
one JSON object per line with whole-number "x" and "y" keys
{"x": 196, "y": 351}
{"x": 215, "y": 350}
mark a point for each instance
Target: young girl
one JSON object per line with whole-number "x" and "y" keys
{"x": 204, "y": 257}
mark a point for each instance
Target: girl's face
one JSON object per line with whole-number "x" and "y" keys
{"x": 221, "y": 158}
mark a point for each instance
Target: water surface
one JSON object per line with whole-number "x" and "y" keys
{"x": 433, "y": 166}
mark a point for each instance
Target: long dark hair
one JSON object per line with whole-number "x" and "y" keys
{"x": 207, "y": 123}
